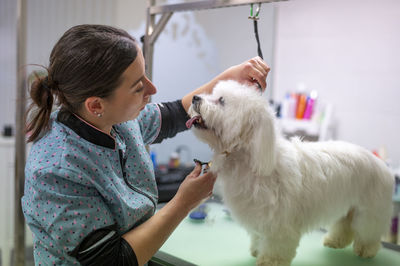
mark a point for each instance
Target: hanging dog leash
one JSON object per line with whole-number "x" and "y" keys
{"x": 255, "y": 18}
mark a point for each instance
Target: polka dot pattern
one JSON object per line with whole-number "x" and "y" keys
{"x": 74, "y": 187}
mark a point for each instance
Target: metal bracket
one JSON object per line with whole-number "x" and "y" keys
{"x": 255, "y": 16}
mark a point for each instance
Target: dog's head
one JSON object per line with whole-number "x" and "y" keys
{"x": 236, "y": 117}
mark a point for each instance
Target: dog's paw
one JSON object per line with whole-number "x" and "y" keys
{"x": 366, "y": 251}
{"x": 269, "y": 261}
{"x": 337, "y": 242}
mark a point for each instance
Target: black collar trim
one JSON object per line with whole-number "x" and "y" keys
{"x": 85, "y": 130}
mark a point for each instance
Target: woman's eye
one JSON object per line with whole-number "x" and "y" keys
{"x": 221, "y": 100}
{"x": 139, "y": 89}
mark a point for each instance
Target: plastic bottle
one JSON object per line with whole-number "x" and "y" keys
{"x": 174, "y": 161}
{"x": 285, "y": 106}
{"x": 310, "y": 105}
{"x": 301, "y": 107}
{"x": 292, "y": 106}
{"x": 153, "y": 156}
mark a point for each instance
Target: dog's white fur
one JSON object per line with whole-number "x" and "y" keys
{"x": 279, "y": 189}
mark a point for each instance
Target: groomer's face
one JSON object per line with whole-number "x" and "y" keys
{"x": 132, "y": 95}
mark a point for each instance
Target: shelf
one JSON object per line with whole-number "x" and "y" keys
{"x": 292, "y": 126}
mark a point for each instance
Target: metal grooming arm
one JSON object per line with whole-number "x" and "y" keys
{"x": 153, "y": 29}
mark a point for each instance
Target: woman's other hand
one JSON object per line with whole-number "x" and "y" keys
{"x": 251, "y": 72}
{"x": 195, "y": 188}
{"x": 148, "y": 237}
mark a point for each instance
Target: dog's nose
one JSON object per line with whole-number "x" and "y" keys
{"x": 196, "y": 99}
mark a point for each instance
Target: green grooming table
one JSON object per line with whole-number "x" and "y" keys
{"x": 219, "y": 241}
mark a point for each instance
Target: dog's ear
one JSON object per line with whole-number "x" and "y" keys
{"x": 263, "y": 143}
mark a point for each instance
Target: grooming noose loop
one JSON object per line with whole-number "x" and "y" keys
{"x": 254, "y": 17}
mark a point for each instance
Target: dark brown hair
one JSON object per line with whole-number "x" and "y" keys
{"x": 87, "y": 61}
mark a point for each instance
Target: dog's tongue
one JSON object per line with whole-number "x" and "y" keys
{"x": 192, "y": 120}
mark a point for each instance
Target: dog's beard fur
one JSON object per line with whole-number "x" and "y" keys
{"x": 279, "y": 189}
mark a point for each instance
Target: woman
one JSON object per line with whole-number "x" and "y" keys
{"x": 90, "y": 193}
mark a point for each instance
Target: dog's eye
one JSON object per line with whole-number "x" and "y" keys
{"x": 221, "y": 100}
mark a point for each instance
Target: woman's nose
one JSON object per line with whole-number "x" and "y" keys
{"x": 151, "y": 89}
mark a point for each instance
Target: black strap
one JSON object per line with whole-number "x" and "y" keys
{"x": 257, "y": 39}
{"x": 104, "y": 247}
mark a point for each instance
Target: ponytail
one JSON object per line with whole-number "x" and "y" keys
{"x": 41, "y": 93}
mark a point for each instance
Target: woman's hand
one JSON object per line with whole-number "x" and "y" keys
{"x": 195, "y": 188}
{"x": 251, "y": 72}
{"x": 149, "y": 236}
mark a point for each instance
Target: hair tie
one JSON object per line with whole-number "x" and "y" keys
{"x": 49, "y": 87}
{"x": 45, "y": 83}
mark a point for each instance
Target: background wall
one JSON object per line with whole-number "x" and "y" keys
{"x": 348, "y": 50}
{"x": 47, "y": 20}
{"x": 8, "y": 61}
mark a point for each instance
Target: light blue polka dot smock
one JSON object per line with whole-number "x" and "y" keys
{"x": 79, "y": 179}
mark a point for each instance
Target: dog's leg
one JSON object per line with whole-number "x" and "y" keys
{"x": 368, "y": 229}
{"x": 340, "y": 234}
{"x": 278, "y": 250}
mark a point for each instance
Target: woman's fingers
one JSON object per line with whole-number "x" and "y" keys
{"x": 258, "y": 71}
{"x": 196, "y": 171}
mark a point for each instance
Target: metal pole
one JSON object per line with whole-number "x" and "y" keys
{"x": 158, "y": 28}
{"x": 204, "y": 4}
{"x": 19, "y": 222}
{"x": 148, "y": 47}
{"x": 153, "y": 30}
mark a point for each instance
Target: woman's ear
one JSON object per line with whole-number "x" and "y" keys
{"x": 94, "y": 106}
{"x": 263, "y": 144}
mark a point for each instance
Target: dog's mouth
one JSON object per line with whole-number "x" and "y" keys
{"x": 197, "y": 121}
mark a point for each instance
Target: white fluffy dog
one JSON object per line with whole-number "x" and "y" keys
{"x": 279, "y": 189}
